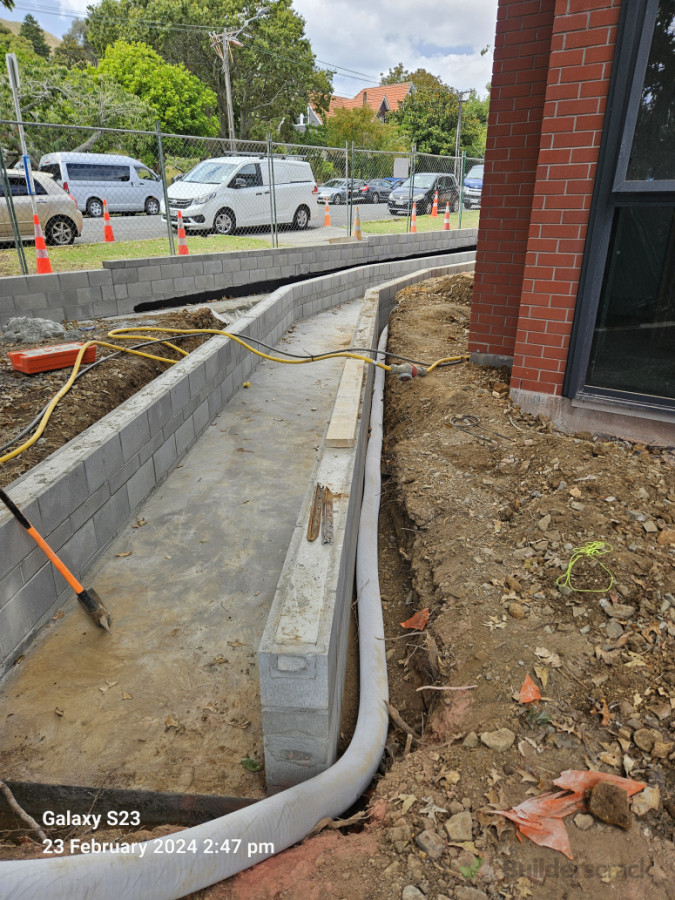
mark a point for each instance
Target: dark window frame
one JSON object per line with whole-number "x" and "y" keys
{"x": 612, "y": 190}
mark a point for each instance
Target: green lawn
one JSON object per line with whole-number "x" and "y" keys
{"x": 397, "y": 224}
{"x": 90, "y": 256}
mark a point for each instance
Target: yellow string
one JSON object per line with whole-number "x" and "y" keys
{"x": 591, "y": 550}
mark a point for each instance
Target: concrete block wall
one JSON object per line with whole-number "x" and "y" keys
{"x": 302, "y": 655}
{"x": 121, "y": 285}
{"x": 84, "y": 494}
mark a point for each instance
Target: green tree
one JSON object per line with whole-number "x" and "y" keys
{"x": 360, "y": 127}
{"x": 273, "y": 74}
{"x": 184, "y": 105}
{"x": 30, "y": 29}
{"x": 429, "y": 117}
{"x": 75, "y": 49}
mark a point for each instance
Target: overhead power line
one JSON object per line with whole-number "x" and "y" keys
{"x": 342, "y": 71}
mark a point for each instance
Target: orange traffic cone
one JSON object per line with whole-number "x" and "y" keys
{"x": 108, "y": 235}
{"x": 446, "y": 219}
{"x": 326, "y": 216}
{"x": 434, "y": 208}
{"x": 182, "y": 240}
{"x": 413, "y": 220}
{"x": 357, "y": 225}
{"x": 44, "y": 267}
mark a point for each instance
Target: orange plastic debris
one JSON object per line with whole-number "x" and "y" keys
{"x": 540, "y": 819}
{"x": 418, "y": 621}
{"x": 529, "y": 692}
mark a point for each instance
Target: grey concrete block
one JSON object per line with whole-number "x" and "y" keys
{"x": 197, "y": 380}
{"x": 180, "y": 394}
{"x": 10, "y": 583}
{"x": 102, "y": 462}
{"x": 201, "y": 417}
{"x": 91, "y": 505}
{"x": 165, "y": 458}
{"x": 24, "y": 611}
{"x": 108, "y": 520}
{"x": 185, "y": 435}
{"x": 80, "y": 550}
{"x": 151, "y": 447}
{"x": 134, "y": 435}
{"x": 159, "y": 412}
{"x": 141, "y": 484}
{"x": 150, "y": 273}
{"x": 64, "y": 495}
{"x": 120, "y": 478}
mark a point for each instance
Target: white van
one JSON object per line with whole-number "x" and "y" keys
{"x": 230, "y": 192}
{"x": 124, "y": 183}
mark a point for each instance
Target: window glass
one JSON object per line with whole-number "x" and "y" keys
{"x": 145, "y": 174}
{"x": 210, "y": 172}
{"x": 635, "y": 329}
{"x": 19, "y": 187}
{"x": 653, "y": 151}
{"x": 250, "y": 174}
{"x": 51, "y": 169}
{"x": 97, "y": 172}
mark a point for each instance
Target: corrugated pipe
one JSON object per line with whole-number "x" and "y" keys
{"x": 171, "y": 867}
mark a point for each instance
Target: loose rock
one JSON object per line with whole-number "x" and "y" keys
{"x": 609, "y": 803}
{"x": 583, "y": 822}
{"x": 432, "y": 843}
{"x": 469, "y": 893}
{"x": 410, "y": 892}
{"x": 644, "y": 738}
{"x": 617, "y": 610}
{"x": 499, "y": 740}
{"x": 516, "y": 610}
{"x": 459, "y": 827}
{"x": 647, "y": 800}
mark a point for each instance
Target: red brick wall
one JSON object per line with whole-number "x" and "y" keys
{"x": 520, "y": 71}
{"x": 545, "y": 262}
{"x": 582, "y": 50}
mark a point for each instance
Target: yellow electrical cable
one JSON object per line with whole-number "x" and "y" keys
{"x": 130, "y": 333}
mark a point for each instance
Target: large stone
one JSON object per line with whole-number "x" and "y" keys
{"x": 432, "y": 843}
{"x": 459, "y": 827}
{"x": 644, "y": 738}
{"x": 609, "y": 803}
{"x": 464, "y": 892}
{"x": 648, "y": 799}
{"x": 499, "y": 740}
{"x": 410, "y": 892}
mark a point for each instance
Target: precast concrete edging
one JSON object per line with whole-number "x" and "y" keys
{"x": 122, "y": 285}
{"x": 80, "y": 497}
{"x": 303, "y": 651}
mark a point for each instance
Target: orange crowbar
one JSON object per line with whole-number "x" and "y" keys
{"x": 88, "y": 598}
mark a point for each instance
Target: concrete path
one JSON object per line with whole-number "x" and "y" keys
{"x": 170, "y": 701}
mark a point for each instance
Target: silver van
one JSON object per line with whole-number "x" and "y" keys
{"x": 124, "y": 183}
{"x": 222, "y": 194}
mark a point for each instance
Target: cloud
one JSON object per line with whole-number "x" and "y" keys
{"x": 443, "y": 36}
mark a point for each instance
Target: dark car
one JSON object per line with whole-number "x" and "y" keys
{"x": 424, "y": 187}
{"x": 473, "y": 186}
{"x": 376, "y": 190}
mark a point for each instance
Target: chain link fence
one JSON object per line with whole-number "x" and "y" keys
{"x": 111, "y": 194}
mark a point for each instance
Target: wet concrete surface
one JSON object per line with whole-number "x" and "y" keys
{"x": 170, "y": 701}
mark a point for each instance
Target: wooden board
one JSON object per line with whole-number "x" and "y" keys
{"x": 344, "y": 419}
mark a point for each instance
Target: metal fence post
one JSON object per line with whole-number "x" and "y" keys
{"x": 273, "y": 195}
{"x": 411, "y": 178}
{"x": 162, "y": 169}
{"x": 351, "y": 191}
{"x": 462, "y": 172}
{"x": 12, "y": 216}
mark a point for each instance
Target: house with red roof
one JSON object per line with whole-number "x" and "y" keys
{"x": 383, "y": 100}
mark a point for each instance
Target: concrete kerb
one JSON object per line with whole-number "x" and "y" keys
{"x": 109, "y": 470}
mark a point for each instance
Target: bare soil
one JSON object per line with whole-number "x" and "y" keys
{"x": 94, "y": 394}
{"x": 477, "y": 525}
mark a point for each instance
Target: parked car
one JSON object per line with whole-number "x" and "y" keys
{"x": 424, "y": 187}
{"x": 338, "y": 189}
{"x": 473, "y": 186}
{"x": 124, "y": 183}
{"x": 375, "y": 190}
{"x": 224, "y": 193}
{"x": 57, "y": 211}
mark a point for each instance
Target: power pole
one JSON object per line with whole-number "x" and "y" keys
{"x": 221, "y": 44}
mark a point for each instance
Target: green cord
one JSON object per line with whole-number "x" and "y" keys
{"x": 592, "y": 550}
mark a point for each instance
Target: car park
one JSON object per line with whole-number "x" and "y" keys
{"x": 473, "y": 186}
{"x": 60, "y": 219}
{"x": 224, "y": 193}
{"x": 375, "y": 190}
{"x": 422, "y": 193}
{"x": 124, "y": 183}
{"x": 337, "y": 190}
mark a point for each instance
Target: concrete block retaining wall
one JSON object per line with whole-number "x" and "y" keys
{"x": 121, "y": 285}
{"x": 84, "y": 494}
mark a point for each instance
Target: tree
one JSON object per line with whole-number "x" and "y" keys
{"x": 420, "y": 77}
{"x": 360, "y": 127}
{"x": 273, "y": 74}
{"x": 8, "y": 4}
{"x": 183, "y": 104}
{"x": 31, "y": 30}
{"x": 75, "y": 49}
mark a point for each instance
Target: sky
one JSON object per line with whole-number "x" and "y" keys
{"x": 363, "y": 39}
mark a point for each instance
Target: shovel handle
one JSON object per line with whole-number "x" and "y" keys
{"x": 40, "y": 541}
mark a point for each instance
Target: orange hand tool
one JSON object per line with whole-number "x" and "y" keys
{"x": 87, "y": 597}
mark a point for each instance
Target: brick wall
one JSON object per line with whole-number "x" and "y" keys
{"x": 542, "y": 154}
{"x": 582, "y": 50}
{"x": 520, "y": 69}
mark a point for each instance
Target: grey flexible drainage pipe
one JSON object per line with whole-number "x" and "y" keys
{"x": 193, "y": 859}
